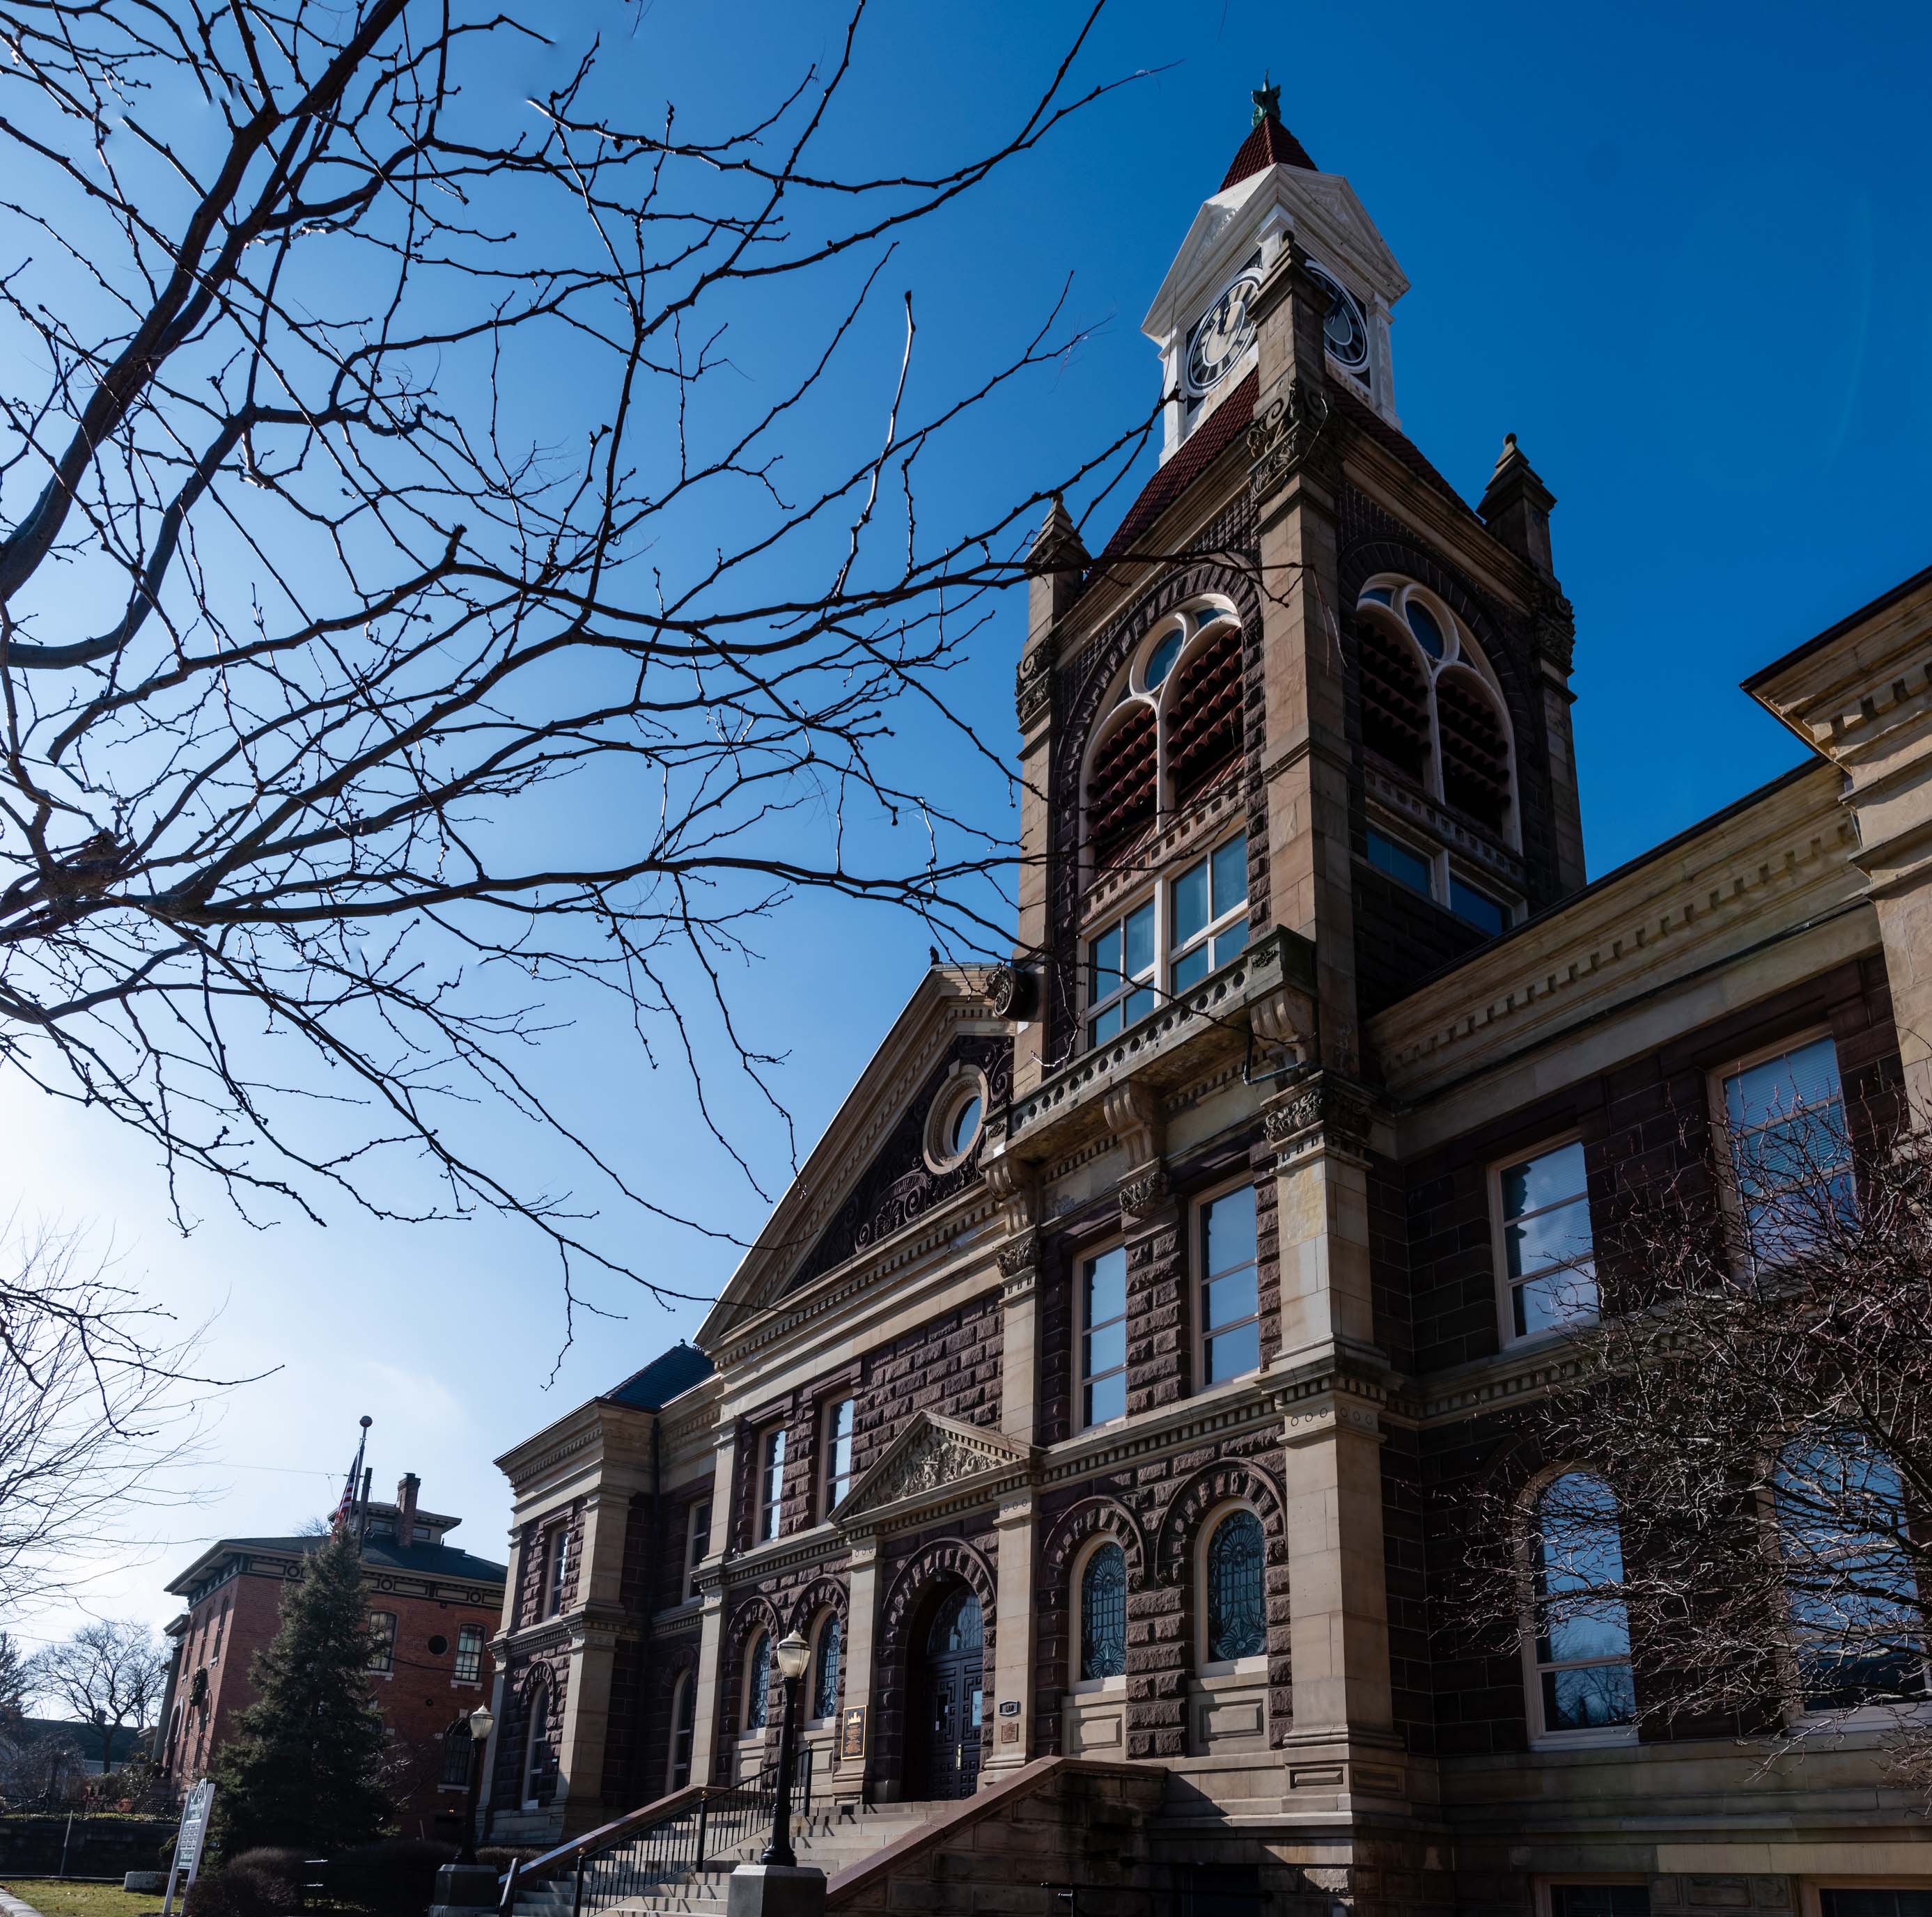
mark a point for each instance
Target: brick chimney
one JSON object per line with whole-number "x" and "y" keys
{"x": 406, "y": 1488}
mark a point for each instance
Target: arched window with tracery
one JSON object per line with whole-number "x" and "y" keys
{"x": 1234, "y": 1593}
{"x": 1172, "y": 729}
{"x": 1103, "y": 1613}
{"x": 1580, "y": 1631}
{"x": 826, "y": 1654}
{"x": 757, "y": 1681}
{"x": 539, "y": 1749}
{"x": 1434, "y": 717}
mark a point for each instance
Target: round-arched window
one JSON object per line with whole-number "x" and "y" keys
{"x": 1430, "y": 707}
{"x": 758, "y": 1681}
{"x": 1237, "y": 1615}
{"x": 957, "y": 1626}
{"x": 1173, "y": 727}
{"x": 825, "y": 1668}
{"x": 1103, "y": 1613}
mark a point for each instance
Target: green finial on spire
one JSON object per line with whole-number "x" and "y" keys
{"x": 1268, "y": 100}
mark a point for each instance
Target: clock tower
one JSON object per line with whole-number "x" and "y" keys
{"x": 1203, "y": 318}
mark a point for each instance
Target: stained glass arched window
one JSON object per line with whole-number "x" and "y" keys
{"x": 958, "y": 1625}
{"x": 1103, "y": 1614}
{"x": 759, "y": 1684}
{"x": 1236, "y": 1617}
{"x": 825, "y": 1671}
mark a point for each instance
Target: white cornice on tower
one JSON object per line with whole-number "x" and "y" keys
{"x": 1322, "y": 213}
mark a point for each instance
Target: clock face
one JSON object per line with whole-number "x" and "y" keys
{"x": 1345, "y": 331}
{"x": 1223, "y": 334}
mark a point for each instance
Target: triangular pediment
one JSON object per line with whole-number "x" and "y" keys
{"x": 928, "y": 1461}
{"x": 872, "y": 1176}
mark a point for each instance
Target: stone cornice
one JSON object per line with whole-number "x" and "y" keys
{"x": 1778, "y": 862}
{"x": 848, "y": 1284}
{"x": 1270, "y": 984}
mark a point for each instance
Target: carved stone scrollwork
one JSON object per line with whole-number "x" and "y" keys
{"x": 1016, "y": 1187}
{"x": 1142, "y": 1193}
{"x": 1553, "y": 630}
{"x": 1133, "y": 1115}
{"x": 1321, "y": 1113}
{"x": 1032, "y": 685}
{"x": 1020, "y": 1255}
{"x": 1283, "y": 435}
{"x": 926, "y": 1467}
{"x": 1013, "y": 992}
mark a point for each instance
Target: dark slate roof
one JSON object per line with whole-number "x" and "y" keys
{"x": 45, "y": 1730}
{"x": 1212, "y": 436}
{"x": 378, "y": 1553}
{"x": 668, "y": 1375}
{"x": 1270, "y": 145}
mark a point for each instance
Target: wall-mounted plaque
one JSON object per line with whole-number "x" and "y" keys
{"x": 1009, "y": 1708}
{"x": 852, "y": 1732}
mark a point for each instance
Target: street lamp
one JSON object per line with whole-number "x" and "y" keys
{"x": 481, "y": 1723}
{"x": 792, "y": 1655}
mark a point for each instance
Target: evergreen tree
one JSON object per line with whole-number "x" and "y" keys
{"x": 305, "y": 1769}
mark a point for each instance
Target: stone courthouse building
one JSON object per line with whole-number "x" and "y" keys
{"x": 1100, "y": 1388}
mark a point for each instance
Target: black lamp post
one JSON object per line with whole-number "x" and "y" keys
{"x": 481, "y": 1723}
{"x": 793, "y": 1654}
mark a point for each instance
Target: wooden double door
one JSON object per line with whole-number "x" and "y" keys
{"x": 952, "y": 1695}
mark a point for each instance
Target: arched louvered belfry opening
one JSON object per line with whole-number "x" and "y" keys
{"x": 1395, "y": 700}
{"x": 1475, "y": 749}
{"x": 1431, "y": 708}
{"x": 1202, "y": 712}
{"x": 1122, "y": 785}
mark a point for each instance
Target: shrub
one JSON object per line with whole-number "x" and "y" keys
{"x": 392, "y": 1875}
{"x": 235, "y": 1892}
{"x": 287, "y": 1871}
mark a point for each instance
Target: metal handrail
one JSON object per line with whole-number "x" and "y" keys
{"x": 675, "y": 1837}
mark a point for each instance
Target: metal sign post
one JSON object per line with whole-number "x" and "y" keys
{"x": 188, "y": 1843}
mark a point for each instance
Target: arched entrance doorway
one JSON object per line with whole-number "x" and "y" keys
{"x": 950, "y": 1694}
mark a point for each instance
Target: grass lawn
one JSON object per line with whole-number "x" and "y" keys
{"x": 53, "y": 1898}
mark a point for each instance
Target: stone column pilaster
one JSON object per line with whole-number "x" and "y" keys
{"x": 1014, "y": 1636}
{"x": 704, "y": 1735}
{"x": 862, "y": 1629}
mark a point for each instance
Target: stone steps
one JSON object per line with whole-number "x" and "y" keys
{"x": 830, "y": 1841}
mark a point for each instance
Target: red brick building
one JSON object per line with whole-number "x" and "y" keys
{"x": 442, "y": 1606}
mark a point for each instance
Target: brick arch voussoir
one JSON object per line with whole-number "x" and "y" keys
{"x": 950, "y": 1558}
{"x": 1380, "y": 553}
{"x": 822, "y": 1593}
{"x": 1077, "y": 1527}
{"x": 1103, "y": 661}
{"x": 1212, "y": 1486}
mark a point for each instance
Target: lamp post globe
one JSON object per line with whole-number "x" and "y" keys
{"x": 792, "y": 1654}
{"x": 481, "y": 1723}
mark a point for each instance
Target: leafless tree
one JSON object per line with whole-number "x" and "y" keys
{"x": 41, "y": 1768}
{"x": 109, "y": 1674}
{"x": 12, "y": 1678}
{"x": 429, "y": 581}
{"x": 99, "y": 1401}
{"x": 1732, "y": 1470}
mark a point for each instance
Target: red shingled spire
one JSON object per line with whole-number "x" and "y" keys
{"x": 1269, "y": 144}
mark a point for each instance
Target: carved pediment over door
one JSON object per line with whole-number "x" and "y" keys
{"x": 929, "y": 1461}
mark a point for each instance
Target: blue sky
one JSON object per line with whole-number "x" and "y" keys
{"x": 1684, "y": 253}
